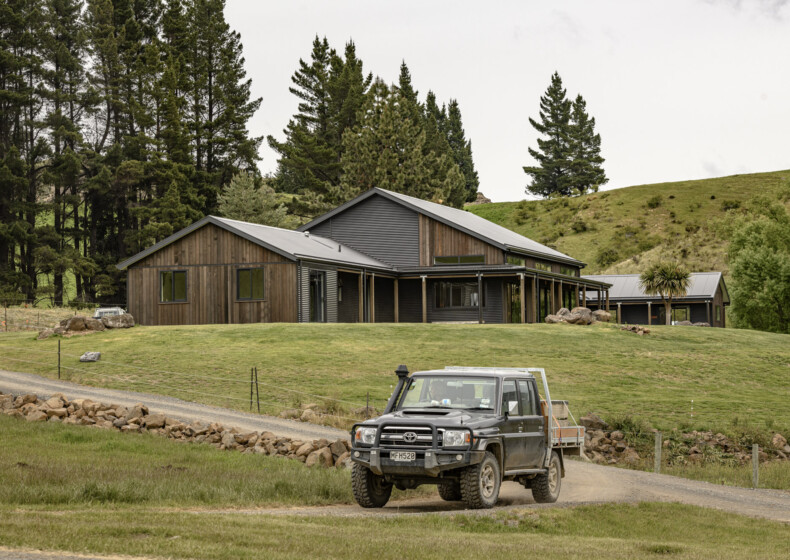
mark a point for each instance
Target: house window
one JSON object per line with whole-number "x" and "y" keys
{"x": 568, "y": 270}
{"x": 518, "y": 261}
{"x": 462, "y": 259}
{"x": 249, "y": 283}
{"x": 543, "y": 266}
{"x": 457, "y": 295}
{"x": 173, "y": 286}
{"x": 718, "y": 313}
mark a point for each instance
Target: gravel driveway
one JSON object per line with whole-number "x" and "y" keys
{"x": 185, "y": 411}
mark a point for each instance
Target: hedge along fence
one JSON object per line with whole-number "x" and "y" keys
{"x": 233, "y": 390}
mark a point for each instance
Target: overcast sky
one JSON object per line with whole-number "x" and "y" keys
{"x": 679, "y": 89}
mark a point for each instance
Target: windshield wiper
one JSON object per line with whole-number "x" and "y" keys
{"x": 480, "y": 408}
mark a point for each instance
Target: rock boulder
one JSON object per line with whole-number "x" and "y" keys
{"x": 124, "y": 321}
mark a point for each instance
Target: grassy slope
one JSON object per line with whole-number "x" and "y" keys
{"x": 603, "y": 531}
{"x": 729, "y": 374}
{"x": 688, "y": 223}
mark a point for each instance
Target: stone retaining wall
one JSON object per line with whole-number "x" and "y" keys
{"x": 138, "y": 419}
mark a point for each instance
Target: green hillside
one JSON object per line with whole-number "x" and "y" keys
{"x": 623, "y": 230}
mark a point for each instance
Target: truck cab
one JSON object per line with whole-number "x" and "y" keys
{"x": 466, "y": 430}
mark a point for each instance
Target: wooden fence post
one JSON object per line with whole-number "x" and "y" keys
{"x": 755, "y": 465}
{"x": 657, "y": 467}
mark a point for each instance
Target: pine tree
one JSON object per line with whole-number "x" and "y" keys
{"x": 387, "y": 149}
{"x": 585, "y": 168}
{"x": 461, "y": 150}
{"x": 243, "y": 200}
{"x": 332, "y": 89}
{"x": 552, "y": 176}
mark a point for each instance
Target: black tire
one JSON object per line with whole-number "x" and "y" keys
{"x": 370, "y": 490}
{"x": 480, "y": 483}
{"x": 546, "y": 487}
{"x": 450, "y": 491}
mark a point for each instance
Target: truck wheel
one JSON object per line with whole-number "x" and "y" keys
{"x": 450, "y": 491}
{"x": 480, "y": 483}
{"x": 370, "y": 490}
{"x": 546, "y": 487}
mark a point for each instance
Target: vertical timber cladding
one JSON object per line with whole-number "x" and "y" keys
{"x": 440, "y": 240}
{"x": 211, "y": 256}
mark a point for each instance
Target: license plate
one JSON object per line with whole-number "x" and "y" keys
{"x": 403, "y": 455}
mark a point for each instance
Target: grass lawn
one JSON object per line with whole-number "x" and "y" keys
{"x": 733, "y": 376}
{"x": 55, "y": 465}
{"x": 602, "y": 531}
{"x": 623, "y": 230}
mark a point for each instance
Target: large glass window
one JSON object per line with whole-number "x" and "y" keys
{"x": 718, "y": 313}
{"x": 445, "y": 391}
{"x": 527, "y": 402}
{"x": 543, "y": 266}
{"x": 460, "y": 259}
{"x": 249, "y": 283}
{"x": 568, "y": 270}
{"x": 457, "y": 294}
{"x": 173, "y": 286}
{"x": 518, "y": 261}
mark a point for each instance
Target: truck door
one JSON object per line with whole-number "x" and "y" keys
{"x": 513, "y": 427}
{"x": 535, "y": 436}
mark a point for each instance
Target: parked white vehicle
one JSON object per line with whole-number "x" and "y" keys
{"x": 108, "y": 312}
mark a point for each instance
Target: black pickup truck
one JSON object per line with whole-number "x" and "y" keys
{"x": 467, "y": 430}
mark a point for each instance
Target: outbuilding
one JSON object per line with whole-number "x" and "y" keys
{"x": 705, "y": 301}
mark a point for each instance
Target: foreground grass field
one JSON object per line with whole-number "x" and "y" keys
{"x": 732, "y": 376}
{"x": 57, "y": 465}
{"x": 604, "y": 531}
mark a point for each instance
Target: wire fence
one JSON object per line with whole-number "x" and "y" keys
{"x": 207, "y": 389}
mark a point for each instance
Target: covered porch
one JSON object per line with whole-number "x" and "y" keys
{"x": 489, "y": 294}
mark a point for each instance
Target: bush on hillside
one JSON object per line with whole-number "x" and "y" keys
{"x": 655, "y": 201}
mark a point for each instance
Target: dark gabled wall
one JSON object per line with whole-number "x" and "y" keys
{"x": 377, "y": 227}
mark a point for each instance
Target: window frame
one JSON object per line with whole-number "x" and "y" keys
{"x": 250, "y": 269}
{"x": 173, "y": 286}
{"x": 458, "y": 260}
{"x": 437, "y": 287}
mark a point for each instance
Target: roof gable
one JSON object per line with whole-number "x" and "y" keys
{"x": 291, "y": 244}
{"x": 462, "y": 220}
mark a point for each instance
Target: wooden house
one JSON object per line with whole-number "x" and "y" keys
{"x": 381, "y": 257}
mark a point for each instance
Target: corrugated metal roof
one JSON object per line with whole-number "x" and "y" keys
{"x": 288, "y": 243}
{"x": 626, "y": 286}
{"x": 461, "y": 219}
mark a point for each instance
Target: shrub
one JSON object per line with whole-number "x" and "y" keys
{"x": 730, "y": 205}
{"x": 692, "y": 228}
{"x": 578, "y": 225}
{"x": 607, "y": 256}
{"x": 655, "y": 201}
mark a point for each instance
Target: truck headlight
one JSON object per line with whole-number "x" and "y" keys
{"x": 365, "y": 436}
{"x": 456, "y": 438}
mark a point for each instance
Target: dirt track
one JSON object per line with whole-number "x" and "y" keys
{"x": 585, "y": 483}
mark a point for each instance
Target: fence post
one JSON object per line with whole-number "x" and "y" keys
{"x": 657, "y": 467}
{"x": 367, "y": 406}
{"x": 755, "y": 465}
{"x": 6, "y": 318}
{"x": 257, "y": 394}
{"x": 250, "y": 389}
{"x": 58, "y": 358}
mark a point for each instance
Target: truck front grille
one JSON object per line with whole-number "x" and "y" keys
{"x": 396, "y": 436}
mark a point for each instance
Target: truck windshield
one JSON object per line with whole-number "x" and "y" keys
{"x": 474, "y": 393}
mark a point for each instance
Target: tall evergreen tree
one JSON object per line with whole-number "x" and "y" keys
{"x": 586, "y": 163}
{"x": 387, "y": 149}
{"x": 551, "y": 175}
{"x": 331, "y": 90}
{"x": 461, "y": 150}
